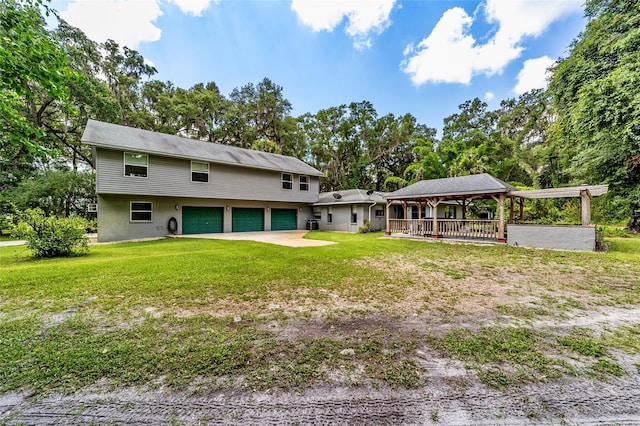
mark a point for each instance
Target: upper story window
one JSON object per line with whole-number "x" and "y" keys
{"x": 304, "y": 183}
{"x": 141, "y": 211}
{"x": 199, "y": 172}
{"x": 136, "y": 165}
{"x": 287, "y": 181}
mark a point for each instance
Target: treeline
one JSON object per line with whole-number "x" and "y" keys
{"x": 584, "y": 129}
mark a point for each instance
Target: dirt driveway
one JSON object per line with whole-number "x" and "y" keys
{"x": 282, "y": 238}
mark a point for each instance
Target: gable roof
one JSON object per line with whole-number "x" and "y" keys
{"x": 350, "y": 196}
{"x": 453, "y": 187}
{"x": 114, "y": 136}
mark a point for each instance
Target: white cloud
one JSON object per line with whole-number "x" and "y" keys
{"x": 534, "y": 74}
{"x": 364, "y": 18}
{"x": 128, "y": 22}
{"x": 489, "y": 96}
{"x": 193, "y": 7}
{"x": 451, "y": 54}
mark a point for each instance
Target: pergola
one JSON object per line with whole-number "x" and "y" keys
{"x": 463, "y": 190}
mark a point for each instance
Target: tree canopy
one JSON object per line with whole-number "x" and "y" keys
{"x": 584, "y": 129}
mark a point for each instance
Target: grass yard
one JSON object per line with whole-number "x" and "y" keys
{"x": 203, "y": 315}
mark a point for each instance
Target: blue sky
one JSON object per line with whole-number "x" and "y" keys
{"x": 423, "y": 57}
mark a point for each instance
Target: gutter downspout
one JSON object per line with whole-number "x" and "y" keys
{"x": 370, "y": 222}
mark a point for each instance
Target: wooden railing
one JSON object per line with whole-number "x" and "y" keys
{"x": 456, "y": 228}
{"x": 411, "y": 226}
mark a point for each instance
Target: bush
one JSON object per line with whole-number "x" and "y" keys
{"x": 48, "y": 236}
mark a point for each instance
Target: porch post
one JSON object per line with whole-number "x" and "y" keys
{"x": 387, "y": 231}
{"x": 434, "y": 205}
{"x": 521, "y": 202}
{"x": 501, "y": 238}
{"x": 404, "y": 205}
{"x": 585, "y": 204}
{"x": 511, "y": 209}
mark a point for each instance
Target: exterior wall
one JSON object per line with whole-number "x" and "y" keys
{"x": 114, "y": 210}
{"x": 172, "y": 177}
{"x": 342, "y": 218}
{"x": 553, "y": 237}
{"x": 377, "y": 223}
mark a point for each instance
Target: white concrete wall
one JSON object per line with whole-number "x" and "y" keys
{"x": 552, "y": 236}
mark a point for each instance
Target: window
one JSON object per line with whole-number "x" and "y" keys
{"x": 135, "y": 165}
{"x": 354, "y": 214}
{"x": 304, "y": 183}
{"x": 379, "y": 213}
{"x": 329, "y": 215}
{"x": 450, "y": 212}
{"x": 141, "y": 211}
{"x": 317, "y": 213}
{"x": 199, "y": 172}
{"x": 287, "y": 181}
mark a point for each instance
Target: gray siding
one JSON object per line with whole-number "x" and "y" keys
{"x": 342, "y": 218}
{"x": 114, "y": 210}
{"x": 172, "y": 177}
{"x": 554, "y": 237}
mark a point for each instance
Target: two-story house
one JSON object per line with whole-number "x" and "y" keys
{"x": 151, "y": 184}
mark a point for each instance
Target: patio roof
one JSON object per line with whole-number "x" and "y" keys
{"x": 570, "y": 192}
{"x": 460, "y": 186}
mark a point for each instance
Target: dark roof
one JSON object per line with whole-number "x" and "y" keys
{"x": 350, "y": 196}
{"x": 453, "y": 187}
{"x": 114, "y": 136}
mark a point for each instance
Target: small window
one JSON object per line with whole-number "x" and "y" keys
{"x": 304, "y": 183}
{"x": 141, "y": 211}
{"x": 354, "y": 214}
{"x": 287, "y": 181}
{"x": 317, "y": 213}
{"x": 450, "y": 212}
{"x": 329, "y": 215}
{"x": 199, "y": 172}
{"x": 136, "y": 165}
{"x": 379, "y": 213}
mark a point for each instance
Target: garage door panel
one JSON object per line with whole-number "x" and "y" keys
{"x": 247, "y": 219}
{"x": 202, "y": 220}
{"x": 284, "y": 219}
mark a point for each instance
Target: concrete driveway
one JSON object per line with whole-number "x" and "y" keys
{"x": 282, "y": 238}
{"x": 10, "y": 243}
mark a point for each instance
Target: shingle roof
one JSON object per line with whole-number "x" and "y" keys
{"x": 451, "y": 187}
{"x": 114, "y": 136}
{"x": 350, "y": 196}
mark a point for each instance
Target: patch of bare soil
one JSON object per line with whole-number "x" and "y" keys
{"x": 453, "y": 395}
{"x": 452, "y": 398}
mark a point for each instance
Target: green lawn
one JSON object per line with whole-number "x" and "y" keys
{"x": 209, "y": 314}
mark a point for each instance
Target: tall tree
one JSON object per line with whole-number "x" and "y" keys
{"x": 595, "y": 91}
{"x": 35, "y": 73}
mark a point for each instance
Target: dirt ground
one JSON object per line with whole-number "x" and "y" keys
{"x": 453, "y": 395}
{"x": 436, "y": 299}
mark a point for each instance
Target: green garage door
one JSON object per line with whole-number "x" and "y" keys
{"x": 283, "y": 219}
{"x": 201, "y": 220}
{"x": 245, "y": 220}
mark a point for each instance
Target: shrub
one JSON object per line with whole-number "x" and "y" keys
{"x": 49, "y": 236}
{"x": 366, "y": 227}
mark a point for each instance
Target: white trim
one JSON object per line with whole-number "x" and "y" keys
{"x": 141, "y": 211}
{"x": 124, "y": 164}
{"x": 208, "y": 171}
{"x": 300, "y": 183}
{"x": 282, "y": 181}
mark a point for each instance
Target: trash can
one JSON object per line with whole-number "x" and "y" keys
{"x": 312, "y": 225}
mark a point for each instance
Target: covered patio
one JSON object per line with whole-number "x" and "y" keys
{"x": 461, "y": 191}
{"x": 464, "y": 190}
